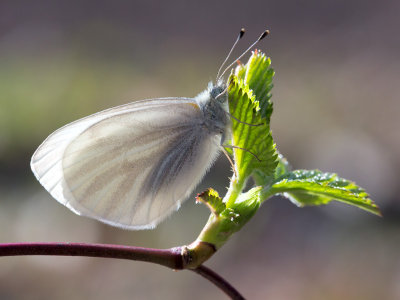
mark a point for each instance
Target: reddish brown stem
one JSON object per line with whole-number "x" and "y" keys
{"x": 219, "y": 282}
{"x": 172, "y": 258}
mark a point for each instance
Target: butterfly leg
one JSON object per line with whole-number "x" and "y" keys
{"x": 248, "y": 151}
{"x": 236, "y": 119}
{"x": 233, "y": 147}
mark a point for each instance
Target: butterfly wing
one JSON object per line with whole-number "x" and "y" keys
{"x": 129, "y": 166}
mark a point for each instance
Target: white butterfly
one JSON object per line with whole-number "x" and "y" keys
{"x": 133, "y": 165}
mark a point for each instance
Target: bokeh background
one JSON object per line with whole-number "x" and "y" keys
{"x": 336, "y": 100}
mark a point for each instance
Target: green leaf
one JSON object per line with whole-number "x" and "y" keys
{"x": 212, "y": 200}
{"x": 247, "y": 204}
{"x": 258, "y": 76}
{"x": 258, "y": 154}
{"x": 283, "y": 166}
{"x": 304, "y": 187}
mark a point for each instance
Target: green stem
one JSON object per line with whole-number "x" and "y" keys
{"x": 234, "y": 191}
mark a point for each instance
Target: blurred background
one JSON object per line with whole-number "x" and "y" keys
{"x": 336, "y": 100}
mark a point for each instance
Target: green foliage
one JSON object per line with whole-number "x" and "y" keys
{"x": 255, "y": 156}
{"x": 223, "y": 223}
{"x": 258, "y": 77}
{"x": 211, "y": 198}
{"x": 282, "y": 167}
{"x": 304, "y": 187}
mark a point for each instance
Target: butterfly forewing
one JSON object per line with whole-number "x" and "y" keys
{"x": 128, "y": 166}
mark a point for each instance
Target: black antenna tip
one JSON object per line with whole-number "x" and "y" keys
{"x": 263, "y": 35}
{"x": 241, "y": 33}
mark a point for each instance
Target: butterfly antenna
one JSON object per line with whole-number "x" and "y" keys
{"x": 241, "y": 33}
{"x": 263, "y": 35}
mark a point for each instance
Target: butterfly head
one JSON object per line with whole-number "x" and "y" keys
{"x": 218, "y": 92}
{"x": 214, "y": 107}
